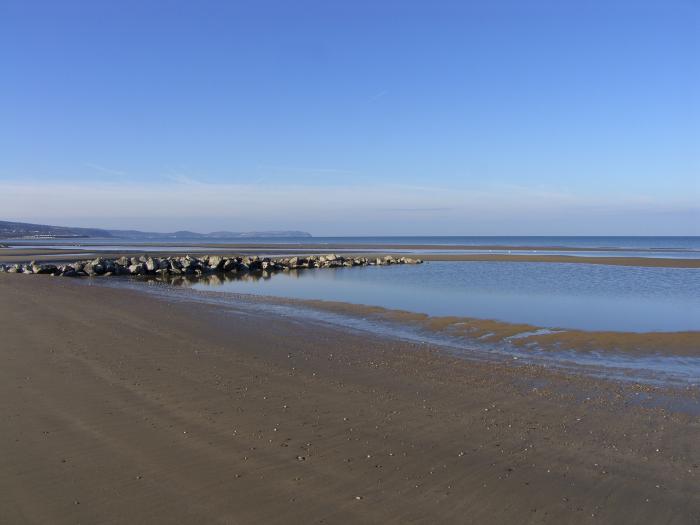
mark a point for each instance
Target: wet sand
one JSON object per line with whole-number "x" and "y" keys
{"x": 685, "y": 343}
{"x": 119, "y": 407}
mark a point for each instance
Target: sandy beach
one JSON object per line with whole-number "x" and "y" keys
{"x": 363, "y": 263}
{"x": 119, "y": 407}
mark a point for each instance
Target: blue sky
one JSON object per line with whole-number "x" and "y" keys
{"x": 363, "y": 117}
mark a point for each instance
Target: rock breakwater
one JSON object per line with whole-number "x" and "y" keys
{"x": 190, "y": 265}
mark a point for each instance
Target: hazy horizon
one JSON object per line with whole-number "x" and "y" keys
{"x": 349, "y": 235}
{"x": 391, "y": 118}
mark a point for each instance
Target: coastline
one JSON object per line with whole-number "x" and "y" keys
{"x": 21, "y": 255}
{"x": 469, "y": 330}
{"x": 155, "y": 410}
{"x": 490, "y": 332}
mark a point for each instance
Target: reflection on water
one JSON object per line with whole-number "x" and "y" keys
{"x": 588, "y": 297}
{"x": 218, "y": 279}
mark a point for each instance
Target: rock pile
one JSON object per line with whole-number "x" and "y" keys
{"x": 190, "y": 265}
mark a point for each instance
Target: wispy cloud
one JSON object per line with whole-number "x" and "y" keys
{"x": 415, "y": 209}
{"x": 296, "y": 169}
{"x": 180, "y": 178}
{"x": 102, "y": 169}
{"x": 378, "y": 95}
{"x": 345, "y": 208}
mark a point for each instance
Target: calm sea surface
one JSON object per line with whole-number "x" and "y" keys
{"x": 553, "y": 295}
{"x": 667, "y": 247}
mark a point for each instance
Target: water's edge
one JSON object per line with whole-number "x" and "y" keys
{"x": 654, "y": 369}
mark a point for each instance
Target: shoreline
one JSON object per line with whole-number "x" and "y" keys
{"x": 521, "y": 335}
{"x": 216, "y": 269}
{"x": 596, "y": 353}
{"x": 14, "y": 256}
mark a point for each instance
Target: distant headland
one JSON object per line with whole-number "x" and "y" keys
{"x": 23, "y": 230}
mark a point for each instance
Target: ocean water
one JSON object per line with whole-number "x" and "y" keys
{"x": 594, "y": 242}
{"x": 667, "y": 247}
{"x": 551, "y": 295}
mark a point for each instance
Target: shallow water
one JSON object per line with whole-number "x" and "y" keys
{"x": 552, "y": 295}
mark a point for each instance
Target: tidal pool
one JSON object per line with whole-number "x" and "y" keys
{"x": 553, "y": 295}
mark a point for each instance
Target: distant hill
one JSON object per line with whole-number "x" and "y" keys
{"x": 18, "y": 230}
{"x": 135, "y": 234}
{"x": 13, "y": 230}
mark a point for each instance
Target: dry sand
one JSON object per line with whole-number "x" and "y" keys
{"x": 119, "y": 407}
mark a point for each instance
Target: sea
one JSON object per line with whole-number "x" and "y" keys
{"x": 630, "y": 246}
